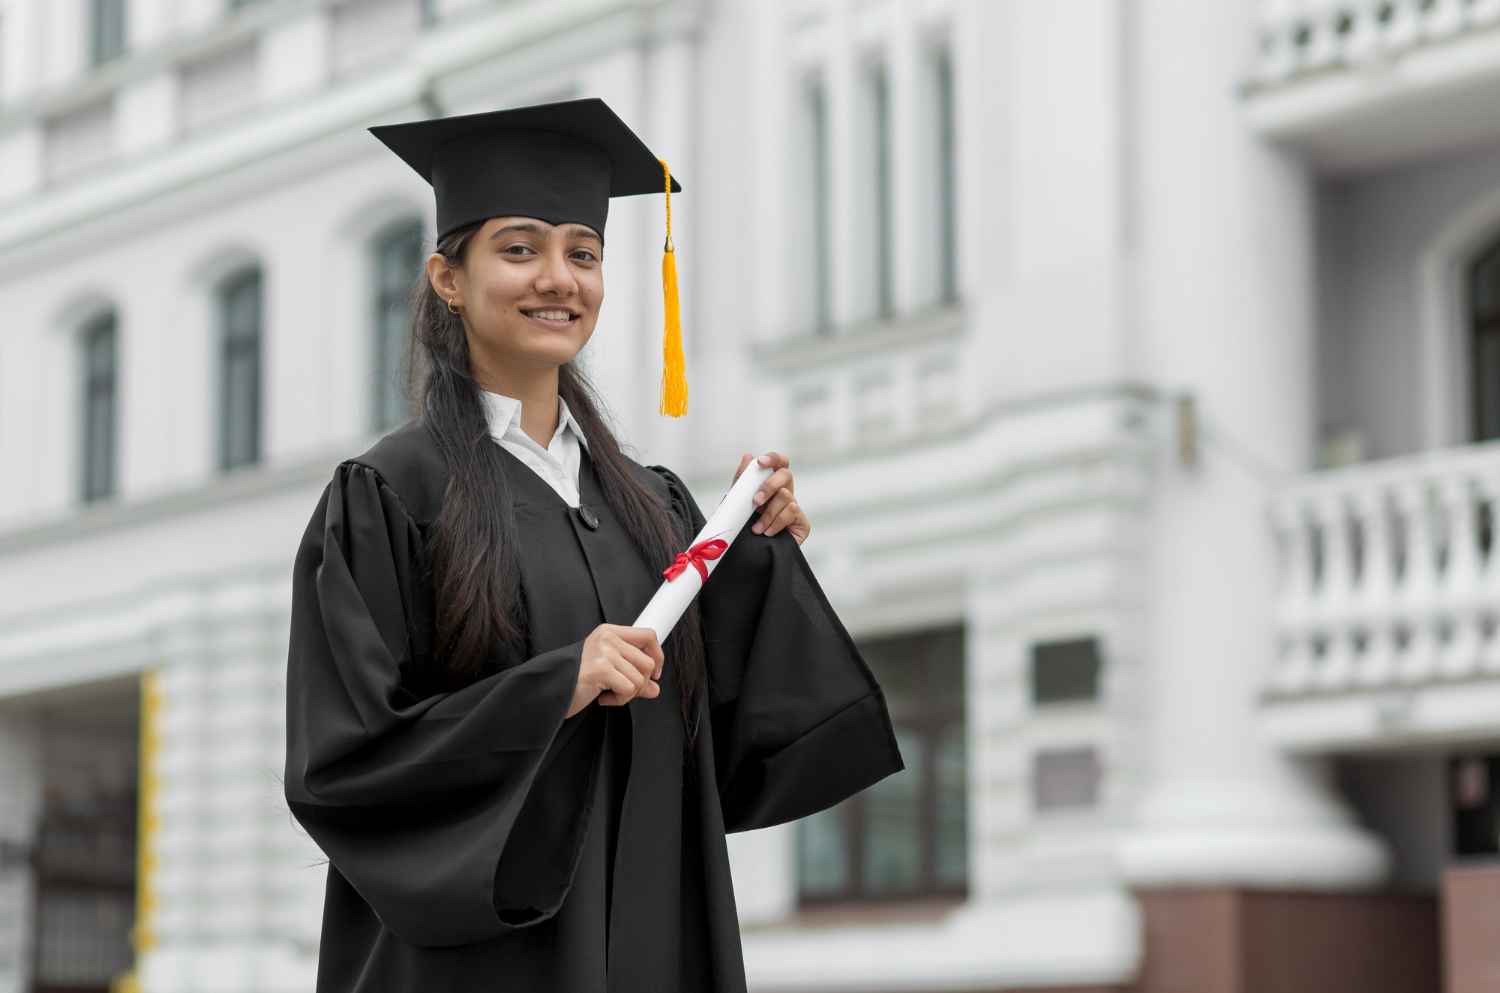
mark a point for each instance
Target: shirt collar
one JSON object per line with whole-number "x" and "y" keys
{"x": 504, "y": 412}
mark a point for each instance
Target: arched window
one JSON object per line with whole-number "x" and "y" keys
{"x": 100, "y": 366}
{"x": 240, "y": 316}
{"x": 397, "y": 257}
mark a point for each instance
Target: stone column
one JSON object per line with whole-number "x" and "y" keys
{"x": 1224, "y": 249}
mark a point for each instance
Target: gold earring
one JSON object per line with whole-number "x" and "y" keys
{"x": 451, "y": 308}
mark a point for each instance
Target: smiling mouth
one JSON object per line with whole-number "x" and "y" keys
{"x": 551, "y": 322}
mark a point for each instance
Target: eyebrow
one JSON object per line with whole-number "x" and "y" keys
{"x": 578, "y": 230}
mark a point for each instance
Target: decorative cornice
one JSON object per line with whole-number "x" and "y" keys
{"x": 443, "y": 64}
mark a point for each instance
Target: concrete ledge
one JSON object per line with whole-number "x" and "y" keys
{"x": 1087, "y": 940}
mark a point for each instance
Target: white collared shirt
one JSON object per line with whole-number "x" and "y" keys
{"x": 558, "y": 463}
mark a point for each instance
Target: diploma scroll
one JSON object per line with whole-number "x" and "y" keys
{"x": 691, "y": 569}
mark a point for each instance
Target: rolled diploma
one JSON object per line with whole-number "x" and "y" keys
{"x": 672, "y": 597}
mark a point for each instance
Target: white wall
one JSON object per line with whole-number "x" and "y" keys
{"x": 1386, "y": 327}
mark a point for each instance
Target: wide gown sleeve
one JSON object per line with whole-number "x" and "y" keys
{"x": 799, "y": 722}
{"x": 417, "y": 801}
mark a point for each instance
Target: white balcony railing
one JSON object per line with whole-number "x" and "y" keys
{"x": 1298, "y": 37}
{"x": 1389, "y": 577}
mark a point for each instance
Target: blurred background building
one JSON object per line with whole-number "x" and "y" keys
{"x": 1139, "y": 363}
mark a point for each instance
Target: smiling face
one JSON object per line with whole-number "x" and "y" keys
{"x": 517, "y": 273}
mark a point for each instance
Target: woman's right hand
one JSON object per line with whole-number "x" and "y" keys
{"x": 619, "y": 664}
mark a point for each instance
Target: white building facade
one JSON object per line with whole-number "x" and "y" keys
{"x": 1136, "y": 360}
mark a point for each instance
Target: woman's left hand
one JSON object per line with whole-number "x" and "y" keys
{"x": 781, "y": 509}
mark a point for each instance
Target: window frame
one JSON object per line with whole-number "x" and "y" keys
{"x": 98, "y": 386}
{"x": 391, "y": 291}
{"x": 877, "y": 80}
{"x": 107, "y": 46}
{"x": 241, "y": 344}
{"x": 815, "y": 107}
{"x": 929, "y": 719}
{"x": 945, "y": 96}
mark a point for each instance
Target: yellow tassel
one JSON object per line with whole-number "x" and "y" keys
{"x": 674, "y": 391}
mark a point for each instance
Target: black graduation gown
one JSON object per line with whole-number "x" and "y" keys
{"x": 480, "y": 842}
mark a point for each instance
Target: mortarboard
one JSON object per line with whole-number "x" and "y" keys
{"x": 560, "y": 162}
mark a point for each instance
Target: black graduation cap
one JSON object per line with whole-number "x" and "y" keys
{"x": 559, "y": 162}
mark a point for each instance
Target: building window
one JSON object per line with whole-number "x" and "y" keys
{"x": 1484, "y": 356}
{"x": 100, "y": 374}
{"x": 1065, "y": 779}
{"x": 817, "y": 217}
{"x": 240, "y": 312}
{"x": 875, "y": 246}
{"x": 106, "y": 30}
{"x": 398, "y": 259}
{"x": 906, "y": 836}
{"x": 942, "y": 69}
{"x": 1065, "y": 671}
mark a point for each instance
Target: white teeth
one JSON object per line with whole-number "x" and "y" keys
{"x": 552, "y": 315}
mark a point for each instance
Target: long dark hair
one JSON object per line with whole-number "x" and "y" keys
{"x": 476, "y": 590}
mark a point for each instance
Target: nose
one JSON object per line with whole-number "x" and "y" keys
{"x": 555, "y": 277}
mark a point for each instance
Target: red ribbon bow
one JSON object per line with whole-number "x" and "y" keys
{"x": 709, "y": 548}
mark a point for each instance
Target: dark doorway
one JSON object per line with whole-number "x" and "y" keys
{"x": 85, "y": 895}
{"x": 82, "y": 855}
{"x": 1484, "y": 348}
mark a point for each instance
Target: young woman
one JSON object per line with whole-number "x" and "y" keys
{"x": 517, "y": 790}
